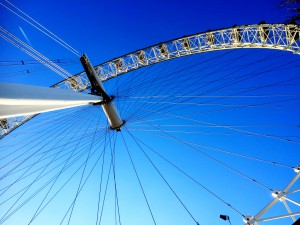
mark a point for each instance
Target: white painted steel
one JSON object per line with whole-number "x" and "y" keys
{"x": 249, "y": 220}
{"x": 280, "y": 217}
{"x": 19, "y": 99}
{"x": 112, "y": 115}
{"x": 283, "y": 37}
{"x": 270, "y": 36}
{"x": 8, "y": 111}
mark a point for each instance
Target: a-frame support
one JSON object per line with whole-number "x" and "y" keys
{"x": 278, "y": 196}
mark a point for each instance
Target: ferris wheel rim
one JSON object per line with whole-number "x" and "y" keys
{"x": 289, "y": 41}
{"x": 284, "y": 37}
{"x": 141, "y": 67}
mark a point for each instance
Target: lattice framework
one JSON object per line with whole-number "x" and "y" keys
{"x": 284, "y": 37}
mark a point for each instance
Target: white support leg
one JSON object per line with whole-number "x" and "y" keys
{"x": 288, "y": 209}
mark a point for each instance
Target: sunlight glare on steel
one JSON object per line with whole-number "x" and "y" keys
{"x": 278, "y": 196}
{"x": 20, "y": 99}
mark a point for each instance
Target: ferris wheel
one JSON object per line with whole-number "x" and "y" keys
{"x": 160, "y": 118}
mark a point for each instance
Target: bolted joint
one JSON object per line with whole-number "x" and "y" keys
{"x": 297, "y": 169}
{"x": 278, "y": 194}
{"x": 249, "y": 220}
{"x": 105, "y": 101}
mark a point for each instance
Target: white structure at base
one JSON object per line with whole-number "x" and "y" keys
{"x": 278, "y": 196}
{"x": 19, "y": 99}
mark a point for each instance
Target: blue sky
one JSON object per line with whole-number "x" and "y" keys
{"x": 107, "y": 29}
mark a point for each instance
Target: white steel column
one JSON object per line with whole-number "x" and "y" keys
{"x": 19, "y": 99}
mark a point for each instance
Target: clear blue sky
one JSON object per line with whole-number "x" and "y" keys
{"x": 108, "y": 29}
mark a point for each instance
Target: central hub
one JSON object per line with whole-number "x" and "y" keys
{"x": 97, "y": 88}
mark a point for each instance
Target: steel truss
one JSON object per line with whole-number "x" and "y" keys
{"x": 284, "y": 37}
{"x": 281, "y": 196}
